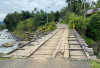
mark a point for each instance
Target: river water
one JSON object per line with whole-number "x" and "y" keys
{"x": 5, "y": 37}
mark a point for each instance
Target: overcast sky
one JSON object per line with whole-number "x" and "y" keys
{"x": 9, "y": 6}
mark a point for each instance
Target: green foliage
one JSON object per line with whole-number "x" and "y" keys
{"x": 93, "y": 29}
{"x": 95, "y": 64}
{"x": 2, "y": 27}
{"x": 30, "y": 26}
{"x": 27, "y": 25}
{"x": 64, "y": 21}
{"x": 5, "y": 58}
{"x": 57, "y": 15}
{"x": 13, "y": 19}
{"x": 79, "y": 21}
{"x": 25, "y": 21}
{"x": 89, "y": 28}
{"x": 53, "y": 24}
{"x": 63, "y": 11}
{"x": 65, "y": 18}
{"x": 49, "y": 26}
{"x": 71, "y": 19}
{"x": 51, "y": 16}
{"x": 88, "y": 40}
{"x": 77, "y": 6}
{"x": 98, "y": 4}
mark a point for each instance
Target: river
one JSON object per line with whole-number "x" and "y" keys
{"x": 5, "y": 37}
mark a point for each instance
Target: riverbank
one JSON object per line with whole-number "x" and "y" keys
{"x": 5, "y": 37}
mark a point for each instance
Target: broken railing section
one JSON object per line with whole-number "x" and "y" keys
{"x": 88, "y": 51}
{"x": 38, "y": 34}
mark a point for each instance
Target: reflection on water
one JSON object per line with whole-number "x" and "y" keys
{"x": 5, "y": 37}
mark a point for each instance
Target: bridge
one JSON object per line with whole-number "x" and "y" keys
{"x": 62, "y": 43}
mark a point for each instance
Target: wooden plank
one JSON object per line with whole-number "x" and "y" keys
{"x": 58, "y": 47}
{"x": 66, "y": 52}
{"x": 42, "y": 43}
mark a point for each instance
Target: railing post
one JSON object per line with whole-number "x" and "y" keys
{"x": 73, "y": 26}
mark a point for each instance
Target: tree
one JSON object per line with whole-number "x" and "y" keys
{"x": 35, "y": 9}
{"x": 70, "y": 2}
{"x": 76, "y": 6}
{"x": 57, "y": 16}
{"x": 98, "y": 4}
{"x": 13, "y": 19}
{"x": 93, "y": 29}
{"x": 32, "y": 14}
{"x": 51, "y": 16}
{"x": 0, "y": 27}
{"x": 25, "y": 15}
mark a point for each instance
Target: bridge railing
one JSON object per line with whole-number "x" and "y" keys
{"x": 88, "y": 51}
{"x": 37, "y": 34}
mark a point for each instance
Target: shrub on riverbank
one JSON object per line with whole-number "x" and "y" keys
{"x": 30, "y": 26}
{"x": 27, "y": 25}
{"x": 2, "y": 27}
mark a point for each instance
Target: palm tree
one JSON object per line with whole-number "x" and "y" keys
{"x": 35, "y": 9}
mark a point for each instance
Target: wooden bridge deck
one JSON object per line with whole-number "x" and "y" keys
{"x": 57, "y": 45}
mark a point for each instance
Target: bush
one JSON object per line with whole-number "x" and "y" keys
{"x": 2, "y": 27}
{"x": 88, "y": 40}
{"x": 49, "y": 26}
{"x": 79, "y": 21}
{"x": 30, "y": 26}
{"x": 53, "y": 24}
{"x": 27, "y": 25}
{"x": 64, "y": 21}
{"x": 65, "y": 18}
{"x": 71, "y": 19}
{"x": 93, "y": 29}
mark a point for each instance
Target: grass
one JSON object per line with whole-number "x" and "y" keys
{"x": 95, "y": 64}
{"x": 88, "y": 40}
{"x": 98, "y": 55}
{"x": 5, "y": 58}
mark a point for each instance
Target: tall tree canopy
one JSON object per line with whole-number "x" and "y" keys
{"x": 98, "y": 4}
{"x": 13, "y": 19}
{"x": 76, "y": 6}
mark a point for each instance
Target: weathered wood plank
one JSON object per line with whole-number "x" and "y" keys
{"x": 66, "y": 52}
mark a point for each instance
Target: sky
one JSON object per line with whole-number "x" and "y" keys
{"x": 9, "y": 6}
